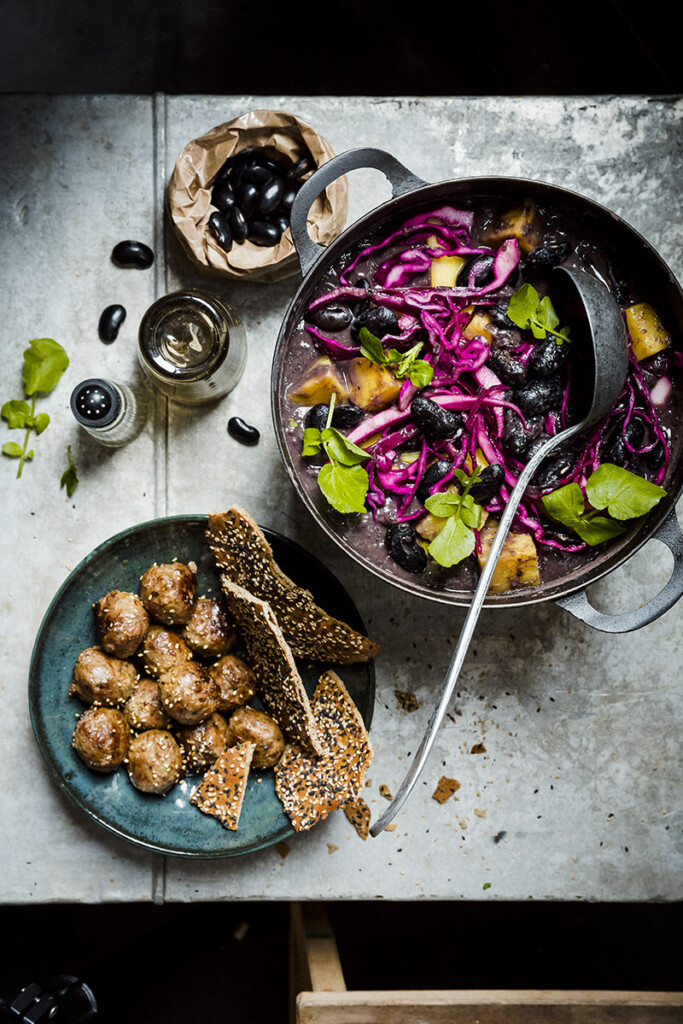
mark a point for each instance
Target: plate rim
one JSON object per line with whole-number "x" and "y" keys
{"x": 196, "y": 519}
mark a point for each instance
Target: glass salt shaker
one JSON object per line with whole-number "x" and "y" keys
{"x": 192, "y": 346}
{"x": 113, "y": 414}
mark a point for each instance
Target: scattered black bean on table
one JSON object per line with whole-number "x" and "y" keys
{"x": 253, "y": 194}
{"x": 242, "y": 431}
{"x": 110, "y": 321}
{"x": 132, "y": 254}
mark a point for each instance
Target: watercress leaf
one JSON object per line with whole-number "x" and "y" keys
{"x": 625, "y": 495}
{"x": 69, "y": 478}
{"x": 420, "y": 373}
{"x": 566, "y": 504}
{"x": 523, "y": 305}
{"x": 44, "y": 363}
{"x": 597, "y": 529}
{"x": 312, "y": 441}
{"x": 461, "y": 476}
{"x": 340, "y": 449}
{"x": 454, "y": 543}
{"x": 29, "y": 455}
{"x": 16, "y": 412}
{"x": 546, "y": 314}
{"x": 394, "y": 356}
{"x": 443, "y": 503}
{"x": 41, "y": 422}
{"x": 371, "y": 346}
{"x": 344, "y": 487}
{"x": 537, "y": 330}
{"x": 470, "y": 513}
{"x": 12, "y": 450}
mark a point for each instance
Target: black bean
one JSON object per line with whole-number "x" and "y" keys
{"x": 316, "y": 417}
{"x": 281, "y": 222}
{"x": 615, "y": 450}
{"x": 247, "y": 194}
{"x": 131, "y": 254}
{"x": 437, "y": 471}
{"x": 434, "y": 422}
{"x": 223, "y": 197}
{"x": 516, "y": 437}
{"x": 110, "y": 321}
{"x": 333, "y": 317}
{"x": 552, "y": 471}
{"x": 489, "y": 484}
{"x": 379, "y": 321}
{"x": 550, "y": 255}
{"x": 480, "y": 269}
{"x": 260, "y": 232}
{"x": 270, "y": 195}
{"x": 656, "y": 457}
{"x": 242, "y": 431}
{"x": 302, "y": 167}
{"x": 289, "y": 195}
{"x": 534, "y": 445}
{"x": 270, "y": 163}
{"x": 220, "y": 230}
{"x": 547, "y": 358}
{"x": 500, "y": 317}
{"x": 507, "y": 367}
{"x": 237, "y": 224}
{"x": 256, "y": 174}
{"x": 346, "y": 417}
{"x": 403, "y": 546}
{"x": 538, "y": 396}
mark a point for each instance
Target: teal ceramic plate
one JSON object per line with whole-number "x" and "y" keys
{"x": 169, "y": 824}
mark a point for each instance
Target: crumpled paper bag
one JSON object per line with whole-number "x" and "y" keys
{"x": 189, "y": 194}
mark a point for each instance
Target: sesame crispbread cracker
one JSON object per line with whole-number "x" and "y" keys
{"x": 309, "y": 788}
{"x": 221, "y": 791}
{"x": 277, "y": 678}
{"x": 245, "y": 556}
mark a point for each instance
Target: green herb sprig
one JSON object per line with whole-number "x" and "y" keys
{"x": 404, "y": 364}
{"x": 342, "y": 480}
{"x": 69, "y": 477}
{"x": 456, "y": 541}
{"x": 44, "y": 363}
{"x": 623, "y": 494}
{"x": 529, "y": 312}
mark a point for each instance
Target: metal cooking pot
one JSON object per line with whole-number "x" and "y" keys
{"x": 410, "y": 196}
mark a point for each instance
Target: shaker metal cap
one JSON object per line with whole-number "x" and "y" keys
{"x": 95, "y": 402}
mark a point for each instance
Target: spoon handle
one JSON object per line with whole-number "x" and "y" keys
{"x": 469, "y": 626}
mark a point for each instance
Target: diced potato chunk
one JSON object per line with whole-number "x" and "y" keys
{"x": 478, "y": 327}
{"x": 323, "y": 380}
{"x": 518, "y": 223}
{"x": 372, "y": 387}
{"x": 648, "y": 334}
{"x": 444, "y": 271}
{"x": 517, "y": 563}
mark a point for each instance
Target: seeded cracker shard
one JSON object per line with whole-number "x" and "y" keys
{"x": 221, "y": 791}
{"x": 277, "y": 677}
{"x": 246, "y": 557}
{"x": 309, "y": 788}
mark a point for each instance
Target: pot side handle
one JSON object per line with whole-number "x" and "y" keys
{"x": 400, "y": 178}
{"x": 578, "y": 605}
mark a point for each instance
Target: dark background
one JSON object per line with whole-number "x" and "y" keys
{"x": 357, "y": 47}
{"x": 228, "y": 961}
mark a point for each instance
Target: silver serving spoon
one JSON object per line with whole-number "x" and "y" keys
{"x": 610, "y": 349}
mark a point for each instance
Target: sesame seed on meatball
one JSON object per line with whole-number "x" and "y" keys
{"x": 121, "y": 622}
{"x": 155, "y": 762}
{"x": 210, "y": 631}
{"x": 169, "y": 592}
{"x": 101, "y": 738}
{"x": 100, "y": 678}
{"x": 188, "y": 693}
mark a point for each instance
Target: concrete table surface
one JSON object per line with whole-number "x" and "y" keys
{"x": 577, "y": 794}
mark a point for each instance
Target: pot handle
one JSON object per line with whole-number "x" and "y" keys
{"x": 400, "y": 178}
{"x": 670, "y": 534}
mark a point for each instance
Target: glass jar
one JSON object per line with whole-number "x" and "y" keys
{"x": 113, "y": 414}
{"x": 192, "y": 346}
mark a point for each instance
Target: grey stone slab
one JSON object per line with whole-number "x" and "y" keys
{"x": 77, "y": 178}
{"x": 578, "y": 791}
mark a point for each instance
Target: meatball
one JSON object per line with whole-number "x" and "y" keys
{"x": 259, "y": 728}
{"x": 102, "y": 738}
{"x": 210, "y": 631}
{"x": 162, "y": 649}
{"x": 188, "y": 693}
{"x": 101, "y": 679}
{"x": 155, "y": 762}
{"x": 169, "y": 592}
{"x": 203, "y": 743}
{"x": 235, "y": 681}
{"x": 121, "y": 622}
{"x": 143, "y": 709}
